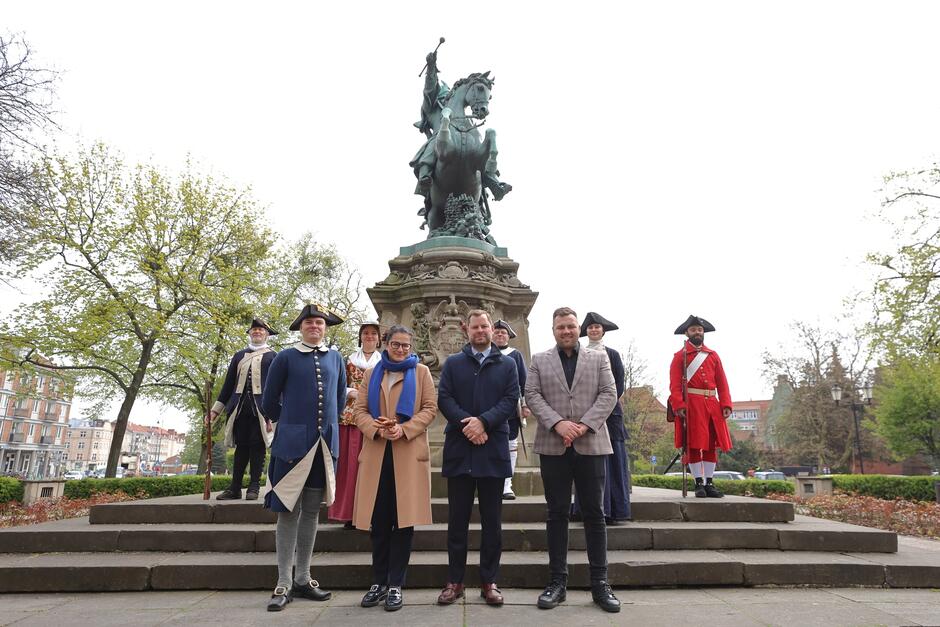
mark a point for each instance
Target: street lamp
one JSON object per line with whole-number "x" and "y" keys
{"x": 865, "y": 395}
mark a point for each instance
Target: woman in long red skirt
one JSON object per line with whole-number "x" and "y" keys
{"x": 350, "y": 437}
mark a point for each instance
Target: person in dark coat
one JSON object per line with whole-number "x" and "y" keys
{"x": 247, "y": 428}
{"x": 502, "y": 333}
{"x": 304, "y": 393}
{"x": 478, "y": 393}
{"x": 617, "y": 484}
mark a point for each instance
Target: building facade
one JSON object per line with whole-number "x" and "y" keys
{"x": 34, "y": 416}
{"x": 88, "y": 444}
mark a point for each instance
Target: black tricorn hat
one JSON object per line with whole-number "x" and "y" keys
{"x": 258, "y": 322}
{"x": 695, "y": 321}
{"x": 315, "y": 310}
{"x": 502, "y": 324}
{"x": 595, "y": 318}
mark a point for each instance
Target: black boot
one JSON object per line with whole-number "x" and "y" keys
{"x": 710, "y": 490}
{"x": 700, "y": 488}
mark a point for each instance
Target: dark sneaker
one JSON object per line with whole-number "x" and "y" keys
{"x": 374, "y": 596}
{"x": 394, "y": 600}
{"x": 700, "y": 490}
{"x": 604, "y": 597}
{"x": 229, "y": 495}
{"x": 311, "y": 590}
{"x": 554, "y": 594}
{"x": 251, "y": 494}
{"x": 279, "y": 599}
{"x": 712, "y": 492}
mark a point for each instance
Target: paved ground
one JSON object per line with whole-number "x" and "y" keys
{"x": 713, "y": 606}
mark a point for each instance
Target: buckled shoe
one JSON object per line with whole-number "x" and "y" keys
{"x": 394, "y": 601}
{"x": 374, "y": 596}
{"x": 279, "y": 599}
{"x": 311, "y": 591}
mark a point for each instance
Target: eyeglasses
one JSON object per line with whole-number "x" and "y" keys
{"x": 399, "y": 346}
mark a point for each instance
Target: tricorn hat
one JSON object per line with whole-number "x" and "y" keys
{"x": 595, "y": 318}
{"x": 258, "y": 322}
{"x": 502, "y": 324}
{"x": 315, "y": 310}
{"x": 370, "y": 323}
{"x": 694, "y": 321}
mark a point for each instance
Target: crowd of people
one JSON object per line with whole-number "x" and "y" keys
{"x": 353, "y": 434}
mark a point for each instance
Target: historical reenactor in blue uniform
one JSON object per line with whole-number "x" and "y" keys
{"x": 617, "y": 485}
{"x": 304, "y": 393}
{"x": 502, "y": 333}
{"x": 247, "y": 428}
{"x": 478, "y": 393}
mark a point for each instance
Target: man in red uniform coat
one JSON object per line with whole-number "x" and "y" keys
{"x": 706, "y": 406}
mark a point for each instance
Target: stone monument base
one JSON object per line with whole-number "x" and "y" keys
{"x": 433, "y": 284}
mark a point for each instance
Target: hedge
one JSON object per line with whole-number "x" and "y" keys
{"x": 748, "y": 487}
{"x": 888, "y": 487}
{"x": 10, "y": 489}
{"x": 148, "y": 487}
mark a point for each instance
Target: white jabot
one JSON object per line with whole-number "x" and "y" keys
{"x": 359, "y": 360}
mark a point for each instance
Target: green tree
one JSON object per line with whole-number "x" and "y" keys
{"x": 744, "y": 456}
{"x": 906, "y": 293}
{"x": 812, "y": 428}
{"x": 122, "y": 254}
{"x": 907, "y": 414}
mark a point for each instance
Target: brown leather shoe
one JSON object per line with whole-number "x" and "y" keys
{"x": 491, "y": 593}
{"x": 450, "y": 593}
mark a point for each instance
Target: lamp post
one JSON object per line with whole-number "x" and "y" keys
{"x": 858, "y": 407}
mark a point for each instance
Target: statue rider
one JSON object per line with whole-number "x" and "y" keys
{"x": 435, "y": 96}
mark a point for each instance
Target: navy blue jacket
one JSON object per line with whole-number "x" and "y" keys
{"x": 514, "y": 422}
{"x": 488, "y": 391}
{"x": 615, "y": 426}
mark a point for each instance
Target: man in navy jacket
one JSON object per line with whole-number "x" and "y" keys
{"x": 477, "y": 395}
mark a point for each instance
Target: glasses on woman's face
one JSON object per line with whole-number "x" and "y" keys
{"x": 399, "y": 346}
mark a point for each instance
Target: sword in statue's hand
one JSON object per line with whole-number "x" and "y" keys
{"x": 435, "y": 52}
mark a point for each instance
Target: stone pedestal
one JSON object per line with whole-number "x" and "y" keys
{"x": 810, "y": 487}
{"x": 432, "y": 285}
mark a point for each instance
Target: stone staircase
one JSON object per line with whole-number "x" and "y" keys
{"x": 180, "y": 543}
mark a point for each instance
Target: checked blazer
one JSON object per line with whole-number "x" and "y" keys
{"x": 590, "y": 400}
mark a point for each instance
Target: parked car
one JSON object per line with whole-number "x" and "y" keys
{"x": 770, "y": 475}
{"x": 73, "y": 474}
{"x": 728, "y": 474}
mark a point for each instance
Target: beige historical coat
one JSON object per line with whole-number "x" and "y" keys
{"x": 411, "y": 453}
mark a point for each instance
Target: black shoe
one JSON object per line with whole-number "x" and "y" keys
{"x": 394, "y": 600}
{"x": 711, "y": 491}
{"x": 311, "y": 591}
{"x": 251, "y": 494}
{"x": 279, "y": 599}
{"x": 604, "y": 597}
{"x": 374, "y": 596}
{"x": 509, "y": 496}
{"x": 349, "y": 525}
{"x": 700, "y": 490}
{"x": 554, "y": 594}
{"x": 229, "y": 495}
{"x": 615, "y": 522}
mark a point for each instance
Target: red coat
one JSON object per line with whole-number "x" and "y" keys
{"x": 700, "y": 409}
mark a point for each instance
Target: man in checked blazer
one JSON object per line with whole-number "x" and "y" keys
{"x": 571, "y": 391}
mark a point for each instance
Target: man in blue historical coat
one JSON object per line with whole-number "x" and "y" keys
{"x": 303, "y": 395}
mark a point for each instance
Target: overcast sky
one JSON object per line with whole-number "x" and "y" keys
{"x": 672, "y": 158}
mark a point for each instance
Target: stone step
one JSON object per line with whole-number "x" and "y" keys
{"x": 65, "y": 572}
{"x": 648, "y": 504}
{"x": 806, "y": 534}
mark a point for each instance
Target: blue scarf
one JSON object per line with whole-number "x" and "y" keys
{"x": 406, "y": 402}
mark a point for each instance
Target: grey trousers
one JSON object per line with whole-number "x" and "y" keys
{"x": 297, "y": 531}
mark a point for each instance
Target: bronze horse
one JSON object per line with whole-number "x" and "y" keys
{"x": 456, "y": 162}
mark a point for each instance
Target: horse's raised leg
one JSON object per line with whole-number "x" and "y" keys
{"x": 490, "y": 169}
{"x": 444, "y": 147}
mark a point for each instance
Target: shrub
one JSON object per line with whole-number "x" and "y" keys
{"x": 748, "y": 487}
{"x": 147, "y": 487}
{"x": 10, "y": 489}
{"x": 887, "y": 486}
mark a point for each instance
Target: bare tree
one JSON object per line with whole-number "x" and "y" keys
{"x": 26, "y": 95}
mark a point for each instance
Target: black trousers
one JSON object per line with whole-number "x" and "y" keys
{"x": 245, "y": 454}
{"x": 391, "y": 545}
{"x": 587, "y": 473}
{"x": 460, "y": 493}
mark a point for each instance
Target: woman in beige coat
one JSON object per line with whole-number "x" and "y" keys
{"x": 393, "y": 489}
